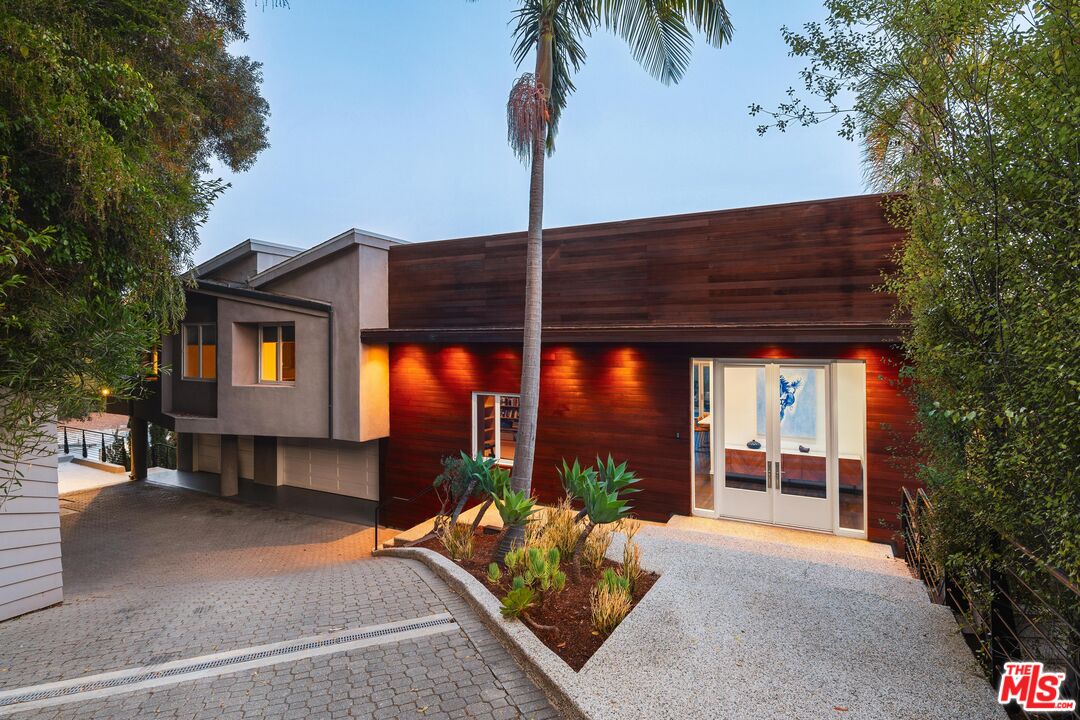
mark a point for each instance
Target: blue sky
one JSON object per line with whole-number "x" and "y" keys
{"x": 389, "y": 115}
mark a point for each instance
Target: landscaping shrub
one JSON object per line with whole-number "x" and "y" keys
{"x": 631, "y": 563}
{"x": 560, "y": 527}
{"x": 609, "y": 603}
{"x": 596, "y": 546}
{"x": 458, "y": 540}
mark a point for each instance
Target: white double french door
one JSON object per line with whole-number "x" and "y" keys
{"x": 768, "y": 436}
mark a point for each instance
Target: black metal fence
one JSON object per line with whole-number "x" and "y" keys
{"x": 114, "y": 445}
{"x": 94, "y": 444}
{"x": 1017, "y": 609}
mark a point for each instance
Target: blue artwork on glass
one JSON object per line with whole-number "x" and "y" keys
{"x": 787, "y": 394}
{"x": 798, "y": 403}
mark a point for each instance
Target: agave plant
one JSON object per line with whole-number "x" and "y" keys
{"x": 575, "y": 477}
{"x": 490, "y": 485}
{"x": 603, "y": 501}
{"x": 466, "y": 477}
{"x": 514, "y": 509}
{"x": 616, "y": 478}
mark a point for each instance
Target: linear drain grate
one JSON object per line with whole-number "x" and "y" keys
{"x": 138, "y": 676}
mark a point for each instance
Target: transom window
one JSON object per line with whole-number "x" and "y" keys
{"x": 495, "y": 425}
{"x": 200, "y": 351}
{"x": 277, "y": 353}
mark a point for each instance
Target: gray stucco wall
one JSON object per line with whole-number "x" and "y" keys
{"x": 336, "y": 280}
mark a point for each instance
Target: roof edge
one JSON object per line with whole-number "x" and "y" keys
{"x": 341, "y": 241}
{"x": 213, "y": 287}
{"x": 240, "y": 250}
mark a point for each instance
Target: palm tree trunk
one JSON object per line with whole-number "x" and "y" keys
{"x": 534, "y": 258}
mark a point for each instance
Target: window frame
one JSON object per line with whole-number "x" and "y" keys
{"x": 280, "y": 356}
{"x": 185, "y": 329}
{"x": 498, "y": 424}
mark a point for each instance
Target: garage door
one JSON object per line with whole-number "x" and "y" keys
{"x": 247, "y": 457}
{"x": 208, "y": 453}
{"x": 339, "y": 467}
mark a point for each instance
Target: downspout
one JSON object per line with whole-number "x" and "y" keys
{"x": 330, "y": 373}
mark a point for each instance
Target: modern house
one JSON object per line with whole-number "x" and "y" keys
{"x": 741, "y": 360}
{"x": 268, "y": 381}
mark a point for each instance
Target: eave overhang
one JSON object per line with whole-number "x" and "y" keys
{"x": 838, "y": 332}
{"x": 210, "y": 287}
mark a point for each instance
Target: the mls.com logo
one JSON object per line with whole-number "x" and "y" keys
{"x": 1033, "y": 689}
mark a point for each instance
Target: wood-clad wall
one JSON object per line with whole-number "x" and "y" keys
{"x": 800, "y": 262}
{"x": 631, "y": 401}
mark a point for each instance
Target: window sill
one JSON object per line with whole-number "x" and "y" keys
{"x": 265, "y": 385}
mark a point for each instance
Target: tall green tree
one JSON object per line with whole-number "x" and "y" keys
{"x": 110, "y": 115}
{"x": 661, "y": 39}
{"x": 971, "y": 110}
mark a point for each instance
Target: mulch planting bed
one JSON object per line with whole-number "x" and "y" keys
{"x": 570, "y": 634}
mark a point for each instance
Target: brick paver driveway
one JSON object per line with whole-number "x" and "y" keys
{"x": 153, "y": 575}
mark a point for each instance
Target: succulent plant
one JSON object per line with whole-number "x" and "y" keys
{"x": 517, "y": 601}
{"x": 514, "y": 507}
{"x": 494, "y": 573}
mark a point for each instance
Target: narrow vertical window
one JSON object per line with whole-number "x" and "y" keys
{"x": 495, "y": 426}
{"x": 208, "y": 352}
{"x": 268, "y": 359}
{"x": 277, "y": 354}
{"x": 200, "y": 352}
{"x": 288, "y": 353}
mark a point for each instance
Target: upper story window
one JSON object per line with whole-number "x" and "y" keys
{"x": 277, "y": 353}
{"x": 200, "y": 351}
{"x": 495, "y": 425}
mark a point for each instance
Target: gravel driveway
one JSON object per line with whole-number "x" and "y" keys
{"x": 769, "y": 623}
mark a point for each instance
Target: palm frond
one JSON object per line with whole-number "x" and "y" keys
{"x": 709, "y": 17}
{"x": 658, "y": 32}
{"x": 657, "y": 35}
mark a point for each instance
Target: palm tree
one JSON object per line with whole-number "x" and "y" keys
{"x": 661, "y": 40}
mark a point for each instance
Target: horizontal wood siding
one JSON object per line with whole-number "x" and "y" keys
{"x": 631, "y": 401}
{"x": 30, "y": 566}
{"x": 796, "y": 263}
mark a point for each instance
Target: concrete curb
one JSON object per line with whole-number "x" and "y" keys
{"x": 99, "y": 465}
{"x": 545, "y": 668}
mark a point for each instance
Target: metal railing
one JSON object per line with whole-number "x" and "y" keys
{"x": 91, "y": 444}
{"x": 392, "y": 499}
{"x": 97, "y": 445}
{"x": 1018, "y": 608}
